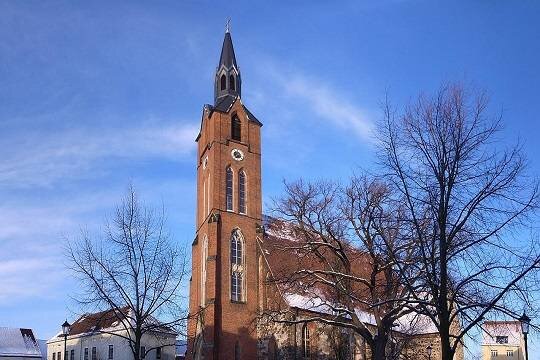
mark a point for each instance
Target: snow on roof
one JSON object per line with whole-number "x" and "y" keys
{"x": 18, "y": 342}
{"x": 280, "y": 239}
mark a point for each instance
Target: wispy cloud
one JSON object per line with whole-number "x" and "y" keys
{"x": 323, "y": 99}
{"x": 41, "y": 158}
{"x": 327, "y": 103}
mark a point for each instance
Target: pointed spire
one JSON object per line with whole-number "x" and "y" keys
{"x": 227, "y": 57}
{"x": 228, "y": 82}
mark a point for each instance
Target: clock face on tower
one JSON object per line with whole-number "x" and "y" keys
{"x": 237, "y": 155}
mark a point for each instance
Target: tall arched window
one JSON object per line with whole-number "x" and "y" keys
{"x": 229, "y": 189}
{"x": 232, "y": 83}
{"x": 242, "y": 192}
{"x": 236, "y": 128}
{"x": 223, "y": 82}
{"x": 306, "y": 351}
{"x": 237, "y": 266}
{"x": 204, "y": 256}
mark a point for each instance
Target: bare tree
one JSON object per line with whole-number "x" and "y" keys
{"x": 465, "y": 197}
{"x": 342, "y": 259}
{"x": 134, "y": 270}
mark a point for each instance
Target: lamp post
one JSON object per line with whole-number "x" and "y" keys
{"x": 65, "y": 331}
{"x": 525, "y": 321}
{"x": 429, "y": 350}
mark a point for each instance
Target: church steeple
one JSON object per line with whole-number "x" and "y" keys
{"x": 228, "y": 81}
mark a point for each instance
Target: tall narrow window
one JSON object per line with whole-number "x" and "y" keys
{"x": 242, "y": 192}
{"x": 72, "y": 355}
{"x": 203, "y": 270}
{"x": 236, "y": 128}
{"x": 94, "y": 353}
{"x": 232, "y": 83}
{"x": 229, "y": 189}
{"x": 223, "y": 82}
{"x": 53, "y": 356}
{"x": 204, "y": 200}
{"x": 85, "y": 353}
{"x": 158, "y": 353}
{"x": 237, "y": 351}
{"x": 236, "y": 248}
{"x": 237, "y": 266}
{"x": 59, "y": 355}
{"x": 208, "y": 195}
{"x": 306, "y": 351}
{"x": 111, "y": 352}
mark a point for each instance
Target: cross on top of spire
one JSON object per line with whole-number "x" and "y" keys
{"x": 228, "y": 25}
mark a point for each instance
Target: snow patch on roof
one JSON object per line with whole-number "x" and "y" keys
{"x": 18, "y": 342}
{"x": 409, "y": 323}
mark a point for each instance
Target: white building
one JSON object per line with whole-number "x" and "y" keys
{"x": 18, "y": 344}
{"x": 502, "y": 340}
{"x": 101, "y": 336}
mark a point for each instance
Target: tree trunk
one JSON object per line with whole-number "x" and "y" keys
{"x": 378, "y": 349}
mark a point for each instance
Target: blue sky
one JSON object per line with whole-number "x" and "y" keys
{"x": 95, "y": 95}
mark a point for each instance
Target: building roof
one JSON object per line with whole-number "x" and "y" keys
{"x": 18, "y": 342}
{"x": 282, "y": 239}
{"x": 227, "y": 58}
{"x": 106, "y": 321}
{"x": 96, "y": 322}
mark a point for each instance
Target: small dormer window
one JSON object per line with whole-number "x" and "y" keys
{"x": 223, "y": 82}
{"x": 236, "y": 129}
{"x": 232, "y": 83}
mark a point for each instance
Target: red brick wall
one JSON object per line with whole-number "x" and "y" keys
{"x": 226, "y": 322}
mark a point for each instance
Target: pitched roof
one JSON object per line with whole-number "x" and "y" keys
{"x": 283, "y": 249}
{"x": 96, "y": 322}
{"x": 16, "y": 342}
{"x": 109, "y": 321}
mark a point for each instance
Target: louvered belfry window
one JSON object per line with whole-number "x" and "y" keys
{"x": 236, "y": 128}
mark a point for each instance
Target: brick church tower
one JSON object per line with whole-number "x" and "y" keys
{"x": 224, "y": 284}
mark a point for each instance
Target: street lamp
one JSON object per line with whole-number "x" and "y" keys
{"x": 65, "y": 331}
{"x": 429, "y": 350}
{"x": 525, "y": 321}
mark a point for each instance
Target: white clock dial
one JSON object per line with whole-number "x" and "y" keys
{"x": 237, "y": 155}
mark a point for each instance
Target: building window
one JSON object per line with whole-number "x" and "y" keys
{"x": 242, "y": 192}
{"x": 510, "y": 353}
{"x": 143, "y": 352}
{"x": 236, "y": 248}
{"x": 229, "y": 188}
{"x": 203, "y": 270}
{"x": 236, "y": 128}
{"x": 85, "y": 353}
{"x": 237, "y": 266}
{"x": 111, "y": 352}
{"x": 158, "y": 353}
{"x": 72, "y": 355}
{"x": 94, "y": 353}
{"x": 306, "y": 351}
{"x": 237, "y": 351}
{"x": 232, "y": 83}
{"x": 501, "y": 339}
{"x": 236, "y": 286}
{"x": 494, "y": 353}
{"x": 59, "y": 355}
{"x": 223, "y": 82}
{"x": 53, "y": 356}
